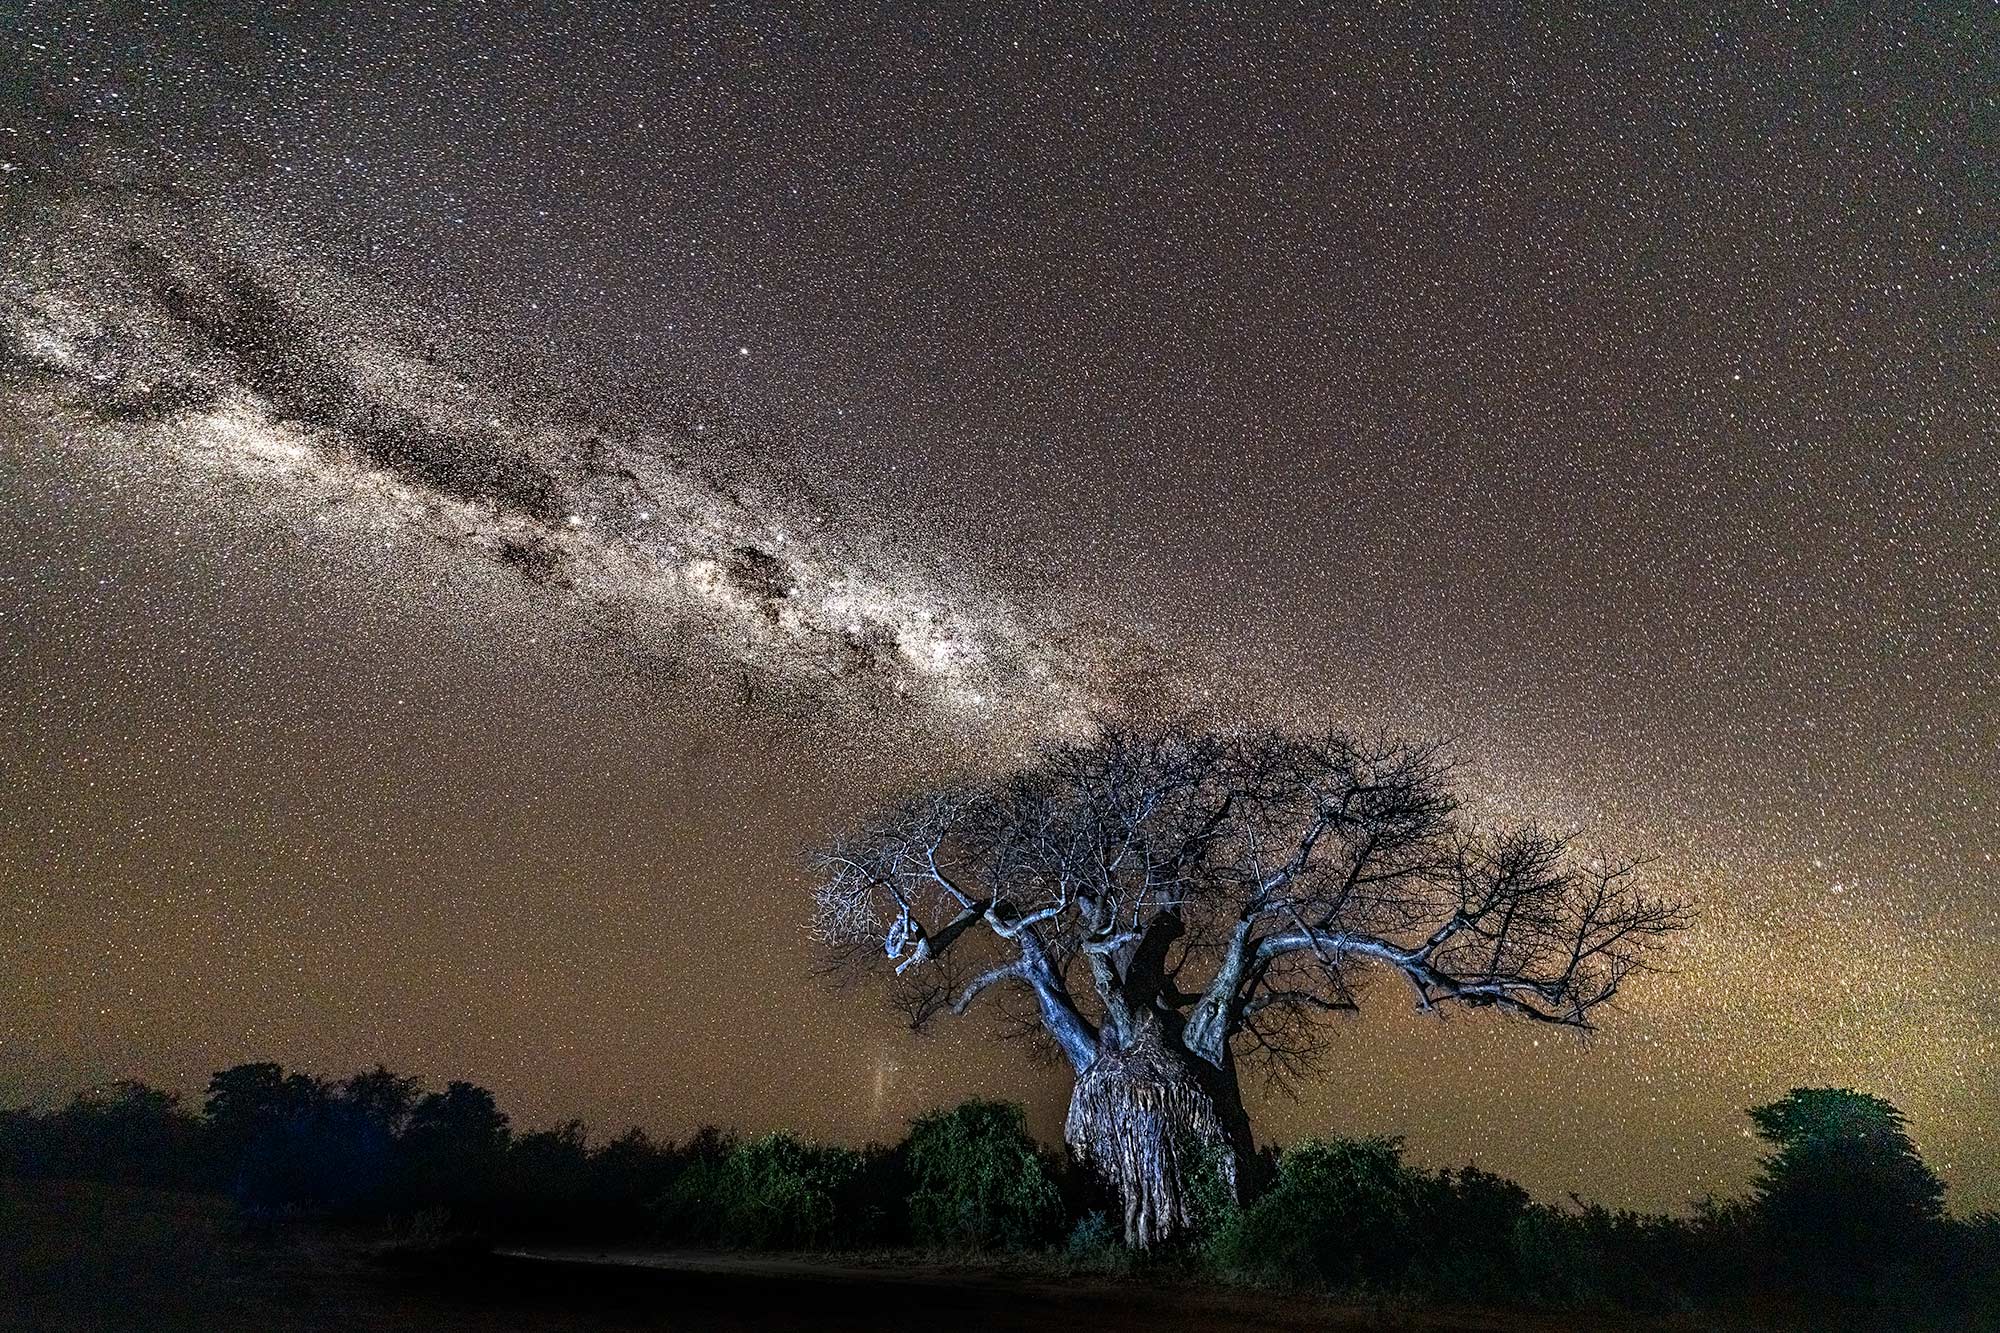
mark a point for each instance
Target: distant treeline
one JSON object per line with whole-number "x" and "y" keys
{"x": 1844, "y": 1215}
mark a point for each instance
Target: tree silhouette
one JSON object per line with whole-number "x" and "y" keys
{"x": 1166, "y": 900}
{"x": 1844, "y": 1195}
{"x": 454, "y": 1144}
{"x": 383, "y": 1098}
{"x": 248, "y": 1100}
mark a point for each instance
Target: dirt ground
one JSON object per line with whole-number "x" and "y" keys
{"x": 85, "y": 1257}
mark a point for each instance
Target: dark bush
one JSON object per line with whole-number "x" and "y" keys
{"x": 452, "y": 1152}
{"x": 249, "y": 1101}
{"x": 624, "y": 1177}
{"x": 881, "y": 1198}
{"x": 1601, "y": 1257}
{"x": 329, "y": 1158}
{"x": 128, "y": 1134}
{"x": 544, "y": 1184}
{"x": 1556, "y": 1258}
{"x": 1844, "y": 1200}
{"x": 688, "y": 1210}
{"x": 1975, "y": 1267}
{"x": 1463, "y": 1234}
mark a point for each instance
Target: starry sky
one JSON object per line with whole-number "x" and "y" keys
{"x": 483, "y": 490}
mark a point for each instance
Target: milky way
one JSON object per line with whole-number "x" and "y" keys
{"x": 131, "y": 318}
{"x": 482, "y": 490}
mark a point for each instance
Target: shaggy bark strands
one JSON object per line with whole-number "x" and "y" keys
{"x": 1141, "y": 1120}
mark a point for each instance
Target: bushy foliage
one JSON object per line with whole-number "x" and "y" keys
{"x": 979, "y": 1179}
{"x": 1212, "y": 1204}
{"x": 623, "y": 1178}
{"x": 1599, "y": 1257}
{"x": 454, "y": 1148}
{"x": 1097, "y": 1244}
{"x": 689, "y": 1210}
{"x": 1844, "y": 1198}
{"x": 1338, "y": 1215}
{"x": 1462, "y": 1232}
{"x": 327, "y": 1158}
{"x": 1975, "y": 1267}
{"x": 1556, "y": 1258}
{"x": 1352, "y": 1215}
{"x": 248, "y": 1101}
{"x": 371, "y": 1149}
{"x": 127, "y": 1133}
{"x": 777, "y": 1192}
{"x": 547, "y": 1172}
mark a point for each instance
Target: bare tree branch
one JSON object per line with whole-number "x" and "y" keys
{"x": 1233, "y": 888}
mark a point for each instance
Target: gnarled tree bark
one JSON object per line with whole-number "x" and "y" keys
{"x": 1147, "y": 1117}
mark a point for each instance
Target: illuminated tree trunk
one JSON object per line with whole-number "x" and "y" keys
{"x": 1148, "y": 1118}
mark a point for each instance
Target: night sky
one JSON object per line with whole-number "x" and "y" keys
{"x": 483, "y": 491}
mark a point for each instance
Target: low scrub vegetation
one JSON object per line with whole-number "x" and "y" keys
{"x": 1844, "y": 1221}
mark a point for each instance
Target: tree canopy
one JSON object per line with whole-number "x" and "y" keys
{"x": 1844, "y": 1191}
{"x": 1231, "y": 887}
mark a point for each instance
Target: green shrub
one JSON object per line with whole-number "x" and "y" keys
{"x": 690, "y": 1211}
{"x": 1340, "y": 1214}
{"x": 1211, "y": 1201}
{"x": 1096, "y": 1244}
{"x": 773, "y": 1193}
{"x": 979, "y": 1179}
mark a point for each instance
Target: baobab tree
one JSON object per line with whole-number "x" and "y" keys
{"x": 1172, "y": 903}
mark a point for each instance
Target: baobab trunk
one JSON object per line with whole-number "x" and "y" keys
{"x": 1149, "y": 1118}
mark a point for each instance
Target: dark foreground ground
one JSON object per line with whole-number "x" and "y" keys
{"x": 75, "y": 1256}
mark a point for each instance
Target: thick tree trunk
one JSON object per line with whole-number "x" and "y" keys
{"x": 1147, "y": 1117}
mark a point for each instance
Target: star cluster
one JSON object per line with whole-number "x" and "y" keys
{"x": 485, "y": 488}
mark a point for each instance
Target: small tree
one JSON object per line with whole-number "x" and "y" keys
{"x": 383, "y": 1098}
{"x": 249, "y": 1100}
{"x": 1844, "y": 1195}
{"x": 127, "y": 1132}
{"x": 1165, "y": 901}
{"x": 453, "y": 1146}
